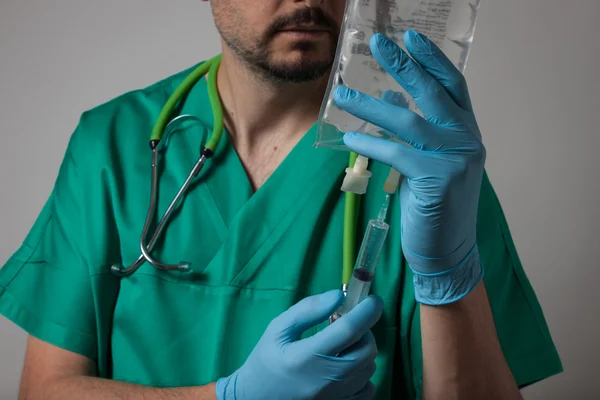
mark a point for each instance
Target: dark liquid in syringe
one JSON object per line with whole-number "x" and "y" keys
{"x": 363, "y": 275}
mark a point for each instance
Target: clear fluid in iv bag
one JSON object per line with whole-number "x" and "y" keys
{"x": 450, "y": 24}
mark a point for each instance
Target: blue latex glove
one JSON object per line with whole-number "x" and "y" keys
{"x": 442, "y": 162}
{"x": 336, "y": 363}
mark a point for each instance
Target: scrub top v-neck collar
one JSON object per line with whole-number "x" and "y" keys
{"x": 250, "y": 223}
{"x": 233, "y": 190}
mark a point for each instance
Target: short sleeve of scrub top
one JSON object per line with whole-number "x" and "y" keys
{"x": 253, "y": 255}
{"x": 45, "y": 286}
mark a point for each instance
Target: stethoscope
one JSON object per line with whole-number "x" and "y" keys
{"x": 210, "y": 69}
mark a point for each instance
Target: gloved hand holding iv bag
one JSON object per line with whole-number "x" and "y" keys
{"x": 442, "y": 159}
{"x": 335, "y": 363}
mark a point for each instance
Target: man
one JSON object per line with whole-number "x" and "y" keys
{"x": 262, "y": 229}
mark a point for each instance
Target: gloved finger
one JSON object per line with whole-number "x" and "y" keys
{"x": 403, "y": 158}
{"x": 346, "y": 330}
{"x": 366, "y": 393}
{"x": 404, "y": 123}
{"x": 360, "y": 353}
{"x": 396, "y": 98}
{"x": 305, "y": 314}
{"x": 431, "y": 97}
{"x": 434, "y": 61}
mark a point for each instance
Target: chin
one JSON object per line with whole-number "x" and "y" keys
{"x": 298, "y": 69}
{"x": 303, "y": 54}
{"x": 302, "y": 60}
{"x": 297, "y": 61}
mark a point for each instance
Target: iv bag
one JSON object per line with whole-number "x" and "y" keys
{"x": 450, "y": 24}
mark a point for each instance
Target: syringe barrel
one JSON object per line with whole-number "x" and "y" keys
{"x": 365, "y": 266}
{"x": 371, "y": 247}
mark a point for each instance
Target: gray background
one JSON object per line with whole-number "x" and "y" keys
{"x": 533, "y": 74}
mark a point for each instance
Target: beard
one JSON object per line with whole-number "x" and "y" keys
{"x": 303, "y": 66}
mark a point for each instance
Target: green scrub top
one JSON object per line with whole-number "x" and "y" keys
{"x": 253, "y": 255}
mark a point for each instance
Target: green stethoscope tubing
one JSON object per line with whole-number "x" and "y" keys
{"x": 210, "y": 69}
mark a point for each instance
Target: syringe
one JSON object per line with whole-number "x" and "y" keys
{"x": 366, "y": 262}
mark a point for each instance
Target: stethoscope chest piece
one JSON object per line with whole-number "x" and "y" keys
{"x": 159, "y": 139}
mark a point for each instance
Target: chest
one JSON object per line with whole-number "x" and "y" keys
{"x": 253, "y": 255}
{"x": 287, "y": 236}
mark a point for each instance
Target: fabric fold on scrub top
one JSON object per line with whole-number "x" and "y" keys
{"x": 253, "y": 255}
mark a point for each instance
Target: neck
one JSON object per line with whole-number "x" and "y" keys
{"x": 257, "y": 110}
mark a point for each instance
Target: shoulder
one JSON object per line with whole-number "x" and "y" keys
{"x": 123, "y": 121}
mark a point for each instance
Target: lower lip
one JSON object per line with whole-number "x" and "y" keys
{"x": 304, "y": 34}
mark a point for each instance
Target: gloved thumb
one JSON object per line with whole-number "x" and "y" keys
{"x": 348, "y": 329}
{"x": 305, "y": 314}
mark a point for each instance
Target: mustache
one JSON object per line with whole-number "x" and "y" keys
{"x": 303, "y": 16}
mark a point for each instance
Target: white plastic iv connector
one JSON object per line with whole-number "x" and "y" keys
{"x": 357, "y": 178}
{"x": 391, "y": 183}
